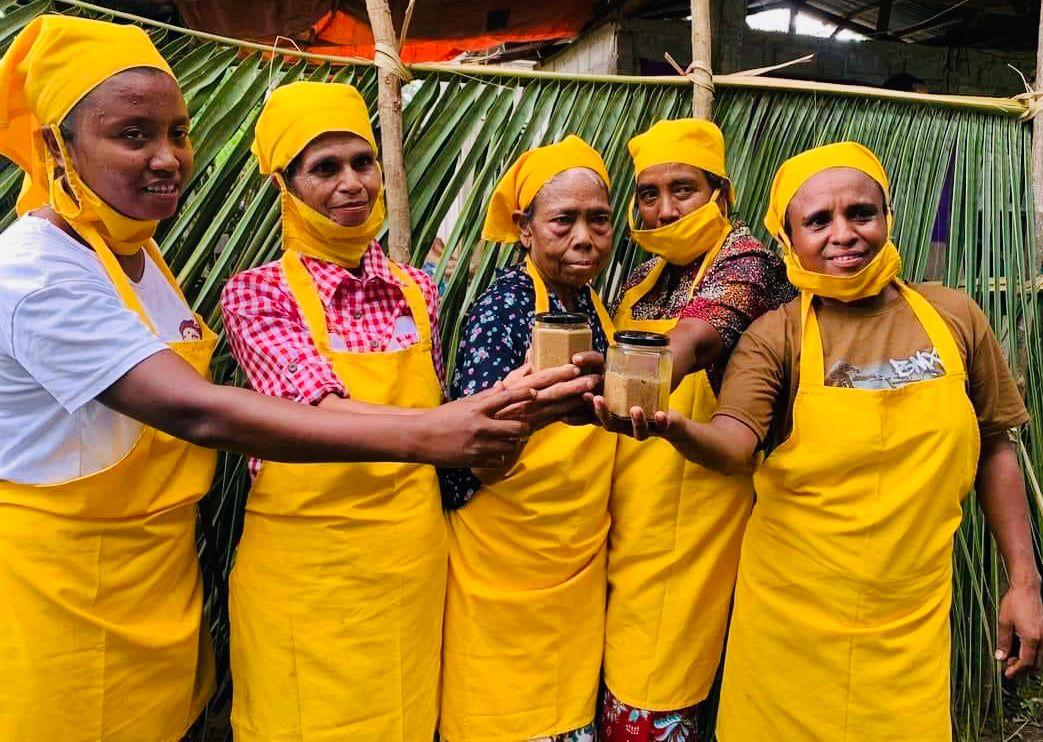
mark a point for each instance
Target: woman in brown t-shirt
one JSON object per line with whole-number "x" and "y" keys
{"x": 878, "y": 405}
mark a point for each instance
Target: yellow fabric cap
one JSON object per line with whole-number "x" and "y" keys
{"x": 692, "y": 142}
{"x": 795, "y": 172}
{"x": 51, "y": 65}
{"x": 529, "y": 173}
{"x": 297, "y": 113}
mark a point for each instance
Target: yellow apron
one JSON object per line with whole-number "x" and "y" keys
{"x": 526, "y": 602}
{"x": 100, "y": 620}
{"x": 841, "y": 625}
{"x": 338, "y": 590}
{"x": 674, "y": 550}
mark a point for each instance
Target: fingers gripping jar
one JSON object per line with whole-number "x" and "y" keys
{"x": 637, "y": 374}
{"x": 558, "y": 337}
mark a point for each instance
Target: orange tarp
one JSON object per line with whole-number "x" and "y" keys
{"x": 442, "y": 30}
{"x": 439, "y": 30}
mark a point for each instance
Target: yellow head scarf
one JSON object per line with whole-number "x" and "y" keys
{"x": 703, "y": 230}
{"x": 293, "y": 116}
{"x": 792, "y": 174}
{"x": 529, "y": 173}
{"x": 689, "y": 141}
{"x": 49, "y": 68}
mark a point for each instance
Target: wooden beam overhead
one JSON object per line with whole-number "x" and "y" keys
{"x": 883, "y": 17}
{"x": 815, "y": 8}
{"x": 762, "y": 5}
{"x": 938, "y": 19}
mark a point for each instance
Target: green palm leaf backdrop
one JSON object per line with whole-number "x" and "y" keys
{"x": 461, "y": 131}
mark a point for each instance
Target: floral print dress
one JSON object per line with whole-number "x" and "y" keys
{"x": 493, "y": 343}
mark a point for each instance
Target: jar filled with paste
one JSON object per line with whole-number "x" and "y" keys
{"x": 558, "y": 337}
{"x": 637, "y": 374}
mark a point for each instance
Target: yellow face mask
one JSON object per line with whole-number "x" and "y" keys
{"x": 311, "y": 233}
{"x": 84, "y": 210}
{"x": 870, "y": 281}
{"x": 687, "y": 239}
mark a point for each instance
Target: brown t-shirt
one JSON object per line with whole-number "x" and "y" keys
{"x": 876, "y": 346}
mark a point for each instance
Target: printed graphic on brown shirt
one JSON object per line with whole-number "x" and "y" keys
{"x": 893, "y": 373}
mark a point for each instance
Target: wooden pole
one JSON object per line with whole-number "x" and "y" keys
{"x": 1037, "y": 151}
{"x": 702, "y": 96}
{"x": 389, "y": 106}
{"x": 883, "y": 17}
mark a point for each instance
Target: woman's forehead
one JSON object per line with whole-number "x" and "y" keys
{"x": 668, "y": 172}
{"x": 343, "y": 144}
{"x": 578, "y": 183}
{"x": 143, "y": 92}
{"x": 830, "y": 182}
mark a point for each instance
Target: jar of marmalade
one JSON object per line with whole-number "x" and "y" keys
{"x": 558, "y": 337}
{"x": 637, "y": 374}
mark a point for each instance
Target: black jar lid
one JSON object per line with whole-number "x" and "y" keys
{"x": 563, "y": 318}
{"x": 641, "y": 338}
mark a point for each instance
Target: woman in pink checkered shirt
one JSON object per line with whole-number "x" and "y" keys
{"x": 337, "y": 595}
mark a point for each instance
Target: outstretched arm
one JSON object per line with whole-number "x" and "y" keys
{"x": 1001, "y": 491}
{"x": 166, "y": 392}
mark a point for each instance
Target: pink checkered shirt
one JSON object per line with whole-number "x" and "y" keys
{"x": 269, "y": 339}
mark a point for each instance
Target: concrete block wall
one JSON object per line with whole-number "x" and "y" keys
{"x": 618, "y": 48}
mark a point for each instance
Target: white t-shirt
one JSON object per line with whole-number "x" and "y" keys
{"x": 65, "y": 337}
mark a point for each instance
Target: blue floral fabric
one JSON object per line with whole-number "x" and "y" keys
{"x": 493, "y": 343}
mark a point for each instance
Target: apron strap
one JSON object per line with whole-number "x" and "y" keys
{"x": 118, "y": 276}
{"x": 539, "y": 288}
{"x": 936, "y": 328}
{"x": 603, "y": 316}
{"x": 152, "y": 250}
{"x": 812, "y": 363}
{"x": 121, "y": 280}
{"x": 636, "y": 293}
{"x": 542, "y": 299}
{"x": 302, "y": 287}
{"x": 415, "y": 299}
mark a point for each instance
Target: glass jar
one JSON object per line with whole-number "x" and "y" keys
{"x": 558, "y": 337}
{"x": 637, "y": 374}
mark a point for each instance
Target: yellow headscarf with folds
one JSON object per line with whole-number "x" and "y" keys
{"x": 792, "y": 174}
{"x": 529, "y": 173}
{"x": 689, "y": 141}
{"x": 293, "y": 116}
{"x": 703, "y": 230}
{"x": 52, "y": 64}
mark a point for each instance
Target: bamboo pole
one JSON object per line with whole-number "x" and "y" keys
{"x": 1037, "y": 151}
{"x": 702, "y": 72}
{"x": 389, "y": 106}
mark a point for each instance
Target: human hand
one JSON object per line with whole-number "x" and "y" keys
{"x": 558, "y": 391}
{"x": 1020, "y": 614}
{"x": 663, "y": 424}
{"x": 470, "y": 433}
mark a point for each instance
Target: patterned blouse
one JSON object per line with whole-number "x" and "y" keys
{"x": 745, "y": 281}
{"x": 493, "y": 343}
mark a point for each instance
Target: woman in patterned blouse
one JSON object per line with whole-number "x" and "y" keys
{"x": 524, "y": 627}
{"x": 676, "y": 528}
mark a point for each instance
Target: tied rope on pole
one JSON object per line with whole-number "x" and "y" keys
{"x": 698, "y": 73}
{"x": 385, "y": 57}
{"x": 1031, "y": 98}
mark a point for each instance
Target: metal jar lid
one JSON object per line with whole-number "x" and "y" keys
{"x": 563, "y": 318}
{"x": 641, "y": 338}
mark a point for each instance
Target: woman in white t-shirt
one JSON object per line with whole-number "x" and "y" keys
{"x": 107, "y": 411}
